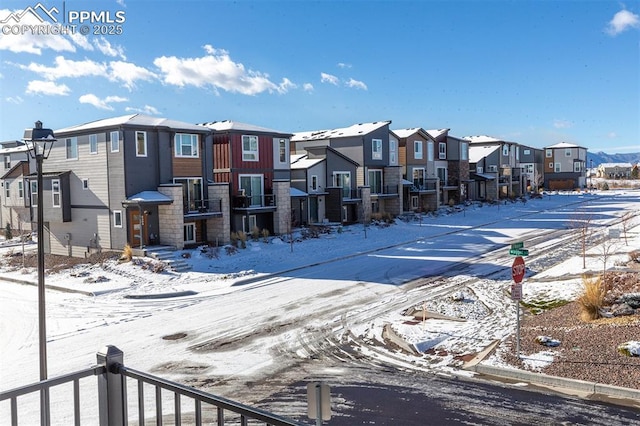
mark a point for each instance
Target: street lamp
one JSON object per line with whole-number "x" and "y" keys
{"x": 39, "y": 142}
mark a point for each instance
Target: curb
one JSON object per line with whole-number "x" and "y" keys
{"x": 49, "y": 286}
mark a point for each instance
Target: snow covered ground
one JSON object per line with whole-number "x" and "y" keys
{"x": 128, "y": 307}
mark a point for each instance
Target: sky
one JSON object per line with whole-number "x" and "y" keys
{"x": 126, "y": 311}
{"x": 532, "y": 72}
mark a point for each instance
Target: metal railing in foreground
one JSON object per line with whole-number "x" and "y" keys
{"x": 113, "y": 400}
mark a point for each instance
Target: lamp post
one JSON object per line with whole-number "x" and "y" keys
{"x": 39, "y": 142}
{"x": 591, "y": 175}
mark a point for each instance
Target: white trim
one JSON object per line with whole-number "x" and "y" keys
{"x": 144, "y": 146}
{"x": 117, "y": 214}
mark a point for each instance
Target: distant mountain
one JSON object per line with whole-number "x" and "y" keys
{"x": 602, "y": 157}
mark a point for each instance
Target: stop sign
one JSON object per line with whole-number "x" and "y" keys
{"x": 518, "y": 269}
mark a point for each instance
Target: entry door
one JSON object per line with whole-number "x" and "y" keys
{"x": 137, "y": 229}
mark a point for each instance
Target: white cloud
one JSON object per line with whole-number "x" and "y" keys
{"x": 129, "y": 73}
{"x": 147, "y": 109}
{"x": 307, "y": 87}
{"x": 286, "y": 85}
{"x": 47, "y": 88}
{"x": 32, "y": 43}
{"x": 218, "y": 71}
{"x": 92, "y": 99}
{"x": 68, "y": 68}
{"x": 17, "y": 100}
{"x": 328, "y": 78}
{"x": 612, "y": 135}
{"x": 562, "y": 124}
{"x": 356, "y": 84}
{"x": 622, "y": 21}
{"x": 106, "y": 48}
{"x": 343, "y": 65}
{"x": 82, "y": 41}
{"x": 121, "y": 3}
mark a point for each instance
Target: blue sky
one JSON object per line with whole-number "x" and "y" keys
{"x": 533, "y": 72}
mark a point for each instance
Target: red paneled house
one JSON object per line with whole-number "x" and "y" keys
{"x": 255, "y": 162}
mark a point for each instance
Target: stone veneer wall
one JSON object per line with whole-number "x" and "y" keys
{"x": 393, "y": 177}
{"x": 219, "y": 228}
{"x": 171, "y": 217}
{"x": 282, "y": 215}
{"x": 365, "y": 193}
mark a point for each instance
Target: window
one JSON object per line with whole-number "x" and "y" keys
{"x": 141, "y": 144}
{"x": 376, "y": 149}
{"x": 7, "y": 161}
{"x": 343, "y": 180}
{"x": 505, "y": 150}
{"x": 252, "y": 186}
{"x": 492, "y": 168}
{"x": 429, "y": 151}
{"x": 418, "y": 178}
{"x": 71, "y": 145}
{"x": 414, "y": 202}
{"x": 479, "y": 169}
{"x": 20, "y": 189}
{"x": 7, "y": 193}
{"x": 576, "y": 167}
{"x": 93, "y": 144}
{"x": 250, "y": 148}
{"x": 190, "y": 232}
{"x": 528, "y": 168}
{"x": 114, "y": 138}
{"x": 567, "y": 152}
{"x": 186, "y": 145}
{"x": 85, "y": 183}
{"x": 548, "y": 153}
{"x": 393, "y": 151}
{"x": 417, "y": 150}
{"x": 442, "y": 150}
{"x": 249, "y": 223}
{"x": 117, "y": 218}
{"x": 557, "y": 168}
{"x": 314, "y": 183}
{"x": 517, "y": 152}
{"x": 34, "y": 193}
{"x": 442, "y": 175}
{"x": 527, "y": 152}
{"x": 375, "y": 181}
{"x": 551, "y": 165}
{"x": 282, "y": 149}
{"x": 464, "y": 151}
{"x": 55, "y": 192}
{"x": 191, "y": 193}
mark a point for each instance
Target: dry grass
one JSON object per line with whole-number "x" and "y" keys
{"x": 127, "y": 254}
{"x": 592, "y": 299}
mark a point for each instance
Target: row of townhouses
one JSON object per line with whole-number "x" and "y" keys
{"x": 146, "y": 181}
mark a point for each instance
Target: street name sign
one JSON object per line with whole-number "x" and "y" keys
{"x": 517, "y": 245}
{"x": 519, "y": 252}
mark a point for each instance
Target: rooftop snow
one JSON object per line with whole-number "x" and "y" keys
{"x": 133, "y": 120}
{"x": 344, "y": 132}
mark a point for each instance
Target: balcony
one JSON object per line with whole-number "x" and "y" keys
{"x": 203, "y": 209}
{"x": 427, "y": 186}
{"x": 265, "y": 202}
{"x": 386, "y": 191}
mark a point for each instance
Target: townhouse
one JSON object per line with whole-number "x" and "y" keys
{"x": 495, "y": 167}
{"x": 135, "y": 180}
{"x": 16, "y": 168}
{"x": 565, "y": 166}
{"x": 376, "y": 185}
{"x": 532, "y": 167}
{"x": 254, "y": 162}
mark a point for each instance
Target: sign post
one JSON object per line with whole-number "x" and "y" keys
{"x": 518, "y": 270}
{"x": 318, "y": 402}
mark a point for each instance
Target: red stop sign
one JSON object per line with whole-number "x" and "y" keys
{"x": 518, "y": 269}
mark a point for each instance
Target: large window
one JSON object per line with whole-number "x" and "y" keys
{"x": 442, "y": 150}
{"x": 464, "y": 151}
{"x": 343, "y": 180}
{"x": 393, "y": 152}
{"x": 376, "y": 149}
{"x": 429, "y": 151}
{"x": 442, "y": 175}
{"x": 114, "y": 140}
{"x": 250, "y": 148}
{"x": 141, "y": 144}
{"x": 375, "y": 181}
{"x": 191, "y": 193}
{"x": 93, "y": 144}
{"x": 55, "y": 192}
{"x": 418, "y": 178}
{"x": 252, "y": 186}
{"x": 34, "y": 193}
{"x": 71, "y": 145}
{"x": 417, "y": 150}
{"x": 190, "y": 232}
{"x": 186, "y": 145}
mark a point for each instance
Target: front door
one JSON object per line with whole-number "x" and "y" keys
{"x": 138, "y": 232}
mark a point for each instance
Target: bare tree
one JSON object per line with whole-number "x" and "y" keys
{"x": 538, "y": 180}
{"x": 626, "y": 224}
{"x": 605, "y": 251}
{"x": 582, "y": 224}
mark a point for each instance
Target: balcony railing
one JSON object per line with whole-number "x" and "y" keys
{"x": 254, "y": 201}
{"x": 386, "y": 189}
{"x": 424, "y": 186}
{"x": 203, "y": 206}
{"x": 114, "y": 402}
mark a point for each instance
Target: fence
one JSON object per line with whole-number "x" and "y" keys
{"x": 113, "y": 399}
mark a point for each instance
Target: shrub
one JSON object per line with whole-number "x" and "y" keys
{"x": 592, "y": 298}
{"x": 634, "y": 256}
{"x": 265, "y": 235}
{"x": 8, "y": 234}
{"x": 605, "y": 186}
{"x": 234, "y": 239}
{"x": 127, "y": 254}
{"x": 242, "y": 238}
{"x": 230, "y": 250}
{"x": 255, "y": 233}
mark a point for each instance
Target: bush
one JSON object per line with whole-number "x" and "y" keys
{"x": 7, "y": 232}
{"x": 592, "y": 298}
{"x": 127, "y": 254}
{"x": 242, "y": 238}
{"x": 634, "y": 256}
{"x": 234, "y": 239}
{"x": 255, "y": 233}
{"x": 265, "y": 235}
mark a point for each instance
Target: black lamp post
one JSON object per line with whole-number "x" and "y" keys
{"x": 39, "y": 142}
